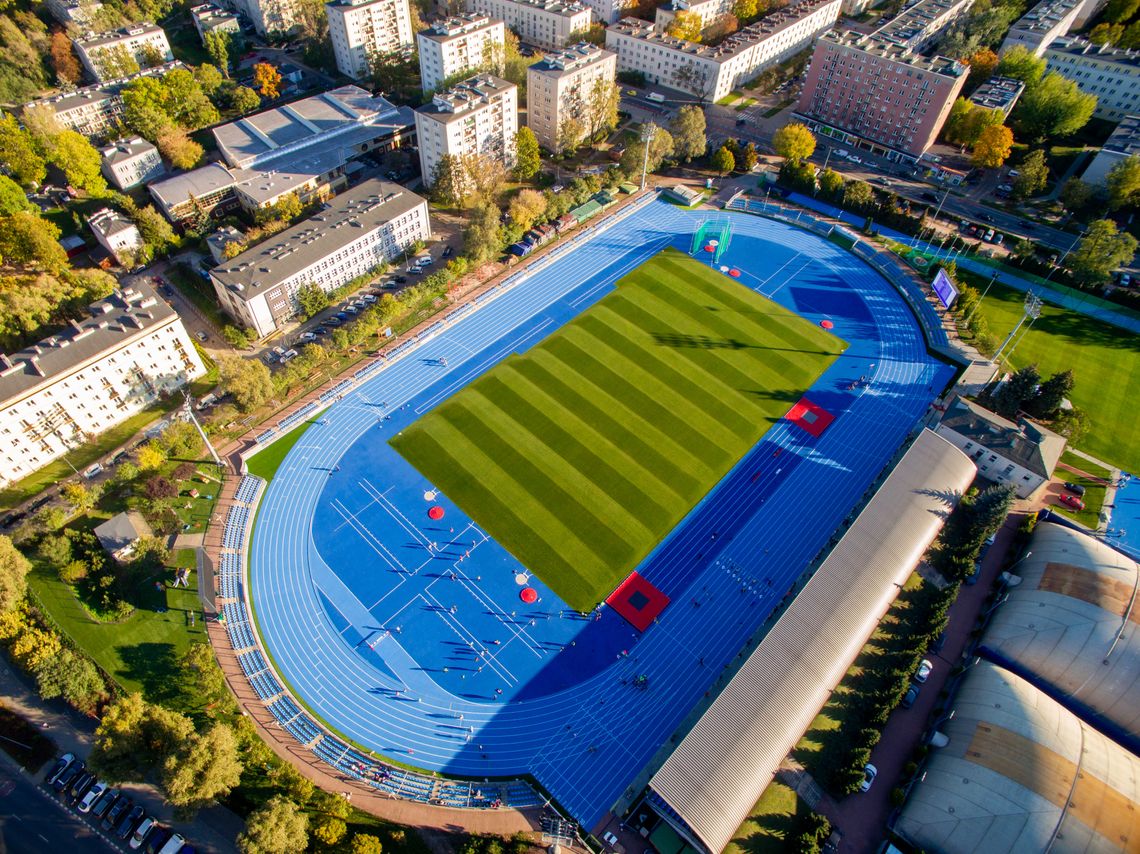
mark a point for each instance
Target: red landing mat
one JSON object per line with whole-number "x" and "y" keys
{"x": 638, "y": 601}
{"x": 810, "y": 417}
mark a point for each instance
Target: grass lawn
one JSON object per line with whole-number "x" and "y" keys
{"x": 582, "y": 454}
{"x": 194, "y": 512}
{"x": 1071, "y": 459}
{"x": 198, "y": 290}
{"x": 771, "y": 822}
{"x": 1105, "y": 361}
{"x": 264, "y": 463}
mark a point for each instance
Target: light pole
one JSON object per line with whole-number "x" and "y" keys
{"x": 982, "y": 297}
{"x": 648, "y": 131}
{"x": 1032, "y": 309}
{"x": 1076, "y": 240}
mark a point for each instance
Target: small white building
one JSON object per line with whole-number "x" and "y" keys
{"x": 115, "y": 233}
{"x": 218, "y": 241}
{"x": 102, "y": 53}
{"x": 1124, "y": 142}
{"x": 1023, "y": 454}
{"x": 609, "y": 11}
{"x": 129, "y": 348}
{"x": 362, "y": 29}
{"x": 209, "y": 18}
{"x": 130, "y": 162}
{"x": 459, "y": 45}
{"x": 478, "y": 117}
{"x": 119, "y": 534}
{"x": 550, "y": 24}
{"x": 560, "y": 86}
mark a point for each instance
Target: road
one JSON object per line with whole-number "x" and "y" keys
{"x": 34, "y": 821}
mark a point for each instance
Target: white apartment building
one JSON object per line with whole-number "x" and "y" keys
{"x": 1112, "y": 75}
{"x": 208, "y": 18}
{"x": 96, "y": 373}
{"x": 608, "y": 11}
{"x": 710, "y": 73}
{"x": 1123, "y": 144}
{"x": 919, "y": 24}
{"x": 466, "y": 43}
{"x": 270, "y": 17}
{"x": 94, "y": 110}
{"x": 130, "y": 162}
{"x": 561, "y": 85}
{"x": 77, "y": 12}
{"x": 99, "y": 53}
{"x": 373, "y": 222}
{"x": 478, "y": 117}
{"x": 545, "y": 23}
{"x": 361, "y": 29}
{"x": 115, "y": 233}
{"x": 1046, "y": 21}
{"x": 707, "y": 10}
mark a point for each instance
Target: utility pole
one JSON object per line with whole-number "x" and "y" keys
{"x": 201, "y": 432}
{"x": 1031, "y": 310}
{"x": 648, "y": 131}
{"x": 982, "y": 297}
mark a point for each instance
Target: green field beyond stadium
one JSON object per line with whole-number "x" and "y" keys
{"x": 580, "y": 455}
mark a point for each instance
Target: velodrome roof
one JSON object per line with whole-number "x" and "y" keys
{"x": 1022, "y": 774}
{"x": 1071, "y": 626}
{"x": 719, "y": 769}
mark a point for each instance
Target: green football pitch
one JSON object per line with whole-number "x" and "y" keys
{"x": 581, "y": 454}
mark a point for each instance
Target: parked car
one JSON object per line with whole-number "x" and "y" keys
{"x": 159, "y": 836}
{"x": 369, "y": 298}
{"x": 93, "y": 795}
{"x": 924, "y": 671}
{"x": 174, "y": 845}
{"x": 855, "y": 158}
{"x": 69, "y": 775}
{"x": 415, "y": 271}
{"x": 307, "y": 336}
{"x": 1071, "y": 501}
{"x": 104, "y": 803}
{"x": 111, "y": 820}
{"x": 1075, "y": 488}
{"x": 351, "y": 309}
{"x": 79, "y": 788}
{"x": 989, "y": 235}
{"x": 401, "y": 280}
{"x": 201, "y": 336}
{"x": 140, "y": 834}
{"x": 129, "y": 822}
{"x": 609, "y": 838}
{"x": 448, "y": 251}
{"x": 60, "y": 766}
{"x": 870, "y": 772}
{"x": 911, "y": 696}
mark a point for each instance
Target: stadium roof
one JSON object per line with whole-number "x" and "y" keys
{"x": 1071, "y": 628}
{"x": 720, "y": 768}
{"x": 1021, "y": 774}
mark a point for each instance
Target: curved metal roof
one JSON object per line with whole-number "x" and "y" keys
{"x": 1071, "y": 627}
{"x": 719, "y": 769}
{"x": 1021, "y": 773}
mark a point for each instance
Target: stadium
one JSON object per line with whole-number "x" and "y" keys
{"x": 604, "y": 537}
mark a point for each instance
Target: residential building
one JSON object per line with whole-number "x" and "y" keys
{"x": 219, "y": 241}
{"x": 463, "y": 44}
{"x": 708, "y": 72}
{"x": 560, "y": 86}
{"x": 1022, "y": 454}
{"x": 1036, "y": 29}
{"x": 94, "y": 110}
{"x": 77, "y": 12}
{"x": 104, "y": 54}
{"x": 1112, "y": 75}
{"x": 119, "y": 534}
{"x": 1124, "y": 142}
{"x": 130, "y": 162}
{"x": 865, "y": 90}
{"x": 115, "y": 233}
{"x": 608, "y": 11}
{"x": 548, "y": 24}
{"x": 270, "y": 17}
{"x": 371, "y": 223}
{"x": 921, "y": 23}
{"x": 303, "y": 147}
{"x": 477, "y": 117}
{"x": 97, "y": 372}
{"x": 707, "y": 10}
{"x": 361, "y": 29}
{"x": 209, "y": 18}
{"x": 998, "y": 93}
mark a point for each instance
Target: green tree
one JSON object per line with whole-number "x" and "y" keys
{"x": 1101, "y": 251}
{"x": 1054, "y": 107}
{"x": 1121, "y": 11}
{"x": 830, "y": 183}
{"x": 70, "y": 675}
{"x": 205, "y": 770}
{"x": 602, "y": 104}
{"x": 954, "y": 128}
{"x": 80, "y": 162}
{"x": 136, "y": 737}
{"x": 29, "y": 241}
{"x": 1105, "y": 33}
{"x": 278, "y": 826}
{"x": 208, "y": 78}
{"x": 1017, "y": 390}
{"x": 1033, "y": 175}
{"x": 365, "y": 843}
{"x": 748, "y": 158}
{"x": 1074, "y": 424}
{"x": 114, "y": 62}
{"x": 688, "y": 128}
{"x": 248, "y": 380}
{"x": 312, "y": 299}
{"x": 858, "y": 196}
{"x": 685, "y": 25}
{"x": 448, "y": 182}
{"x": 1022, "y": 64}
{"x": 185, "y": 102}
{"x": 13, "y": 572}
{"x": 794, "y": 141}
{"x": 19, "y": 154}
{"x": 328, "y": 830}
{"x": 481, "y": 238}
{"x": 527, "y": 159}
{"x": 1076, "y": 194}
{"x": 526, "y": 208}
{"x": 571, "y": 132}
{"x": 722, "y": 161}
{"x": 993, "y": 147}
{"x": 1051, "y": 394}
{"x": 78, "y": 496}
{"x": 1131, "y": 37}
{"x": 154, "y": 229}
{"x": 244, "y": 100}
{"x": 217, "y": 43}
{"x": 660, "y": 147}
{"x": 1123, "y": 183}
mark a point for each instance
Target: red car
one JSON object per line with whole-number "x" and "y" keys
{"x": 1071, "y": 500}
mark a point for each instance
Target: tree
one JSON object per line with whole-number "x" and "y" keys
{"x": 746, "y": 10}
{"x": 177, "y": 147}
{"x": 1121, "y": 11}
{"x": 1051, "y": 395}
{"x": 1054, "y": 107}
{"x": 794, "y": 141}
{"x": 19, "y": 153}
{"x": 80, "y": 162}
{"x": 29, "y": 241}
{"x": 115, "y": 62}
{"x": 1131, "y": 37}
{"x": 688, "y": 128}
{"x": 208, "y": 768}
{"x": 154, "y": 228}
{"x": 954, "y": 128}
{"x": 982, "y": 62}
{"x": 481, "y": 240}
{"x": 693, "y": 78}
{"x": 135, "y": 737}
{"x": 63, "y": 60}
{"x": 1123, "y": 183}
{"x": 365, "y": 843}
{"x": 13, "y": 572}
{"x": 150, "y": 456}
{"x": 267, "y": 79}
{"x": 977, "y": 122}
{"x": 571, "y": 132}
{"x": 208, "y": 77}
{"x": 312, "y": 299}
{"x": 277, "y": 826}
{"x": 185, "y": 102}
{"x": 686, "y": 26}
{"x": 858, "y": 196}
{"x": 993, "y": 147}
{"x": 526, "y": 208}
{"x": 830, "y": 183}
{"x": 78, "y": 496}
{"x": 527, "y": 159}
{"x": 247, "y": 380}
{"x": 602, "y": 107}
{"x": 328, "y": 830}
{"x": 1020, "y": 387}
{"x": 485, "y": 177}
{"x": 244, "y": 100}
{"x": 1101, "y": 251}
{"x": 217, "y": 43}
{"x": 660, "y": 147}
{"x": 1076, "y": 194}
{"x": 159, "y": 488}
{"x": 1022, "y": 64}
{"x": 448, "y": 181}
{"x": 1073, "y": 424}
{"x": 198, "y": 669}
{"x": 748, "y": 158}
{"x": 1033, "y": 175}
{"x": 70, "y": 675}
{"x": 1106, "y": 34}
{"x": 722, "y": 161}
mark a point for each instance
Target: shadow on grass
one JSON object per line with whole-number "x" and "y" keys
{"x": 155, "y": 667}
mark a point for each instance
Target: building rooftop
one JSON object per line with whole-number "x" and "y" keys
{"x": 566, "y": 8}
{"x": 569, "y": 59}
{"x": 208, "y": 15}
{"x": 94, "y": 41}
{"x": 343, "y": 219}
{"x": 109, "y": 324}
{"x": 457, "y": 27}
{"x": 200, "y": 182}
{"x": 1075, "y": 47}
{"x": 912, "y": 26}
{"x": 471, "y": 94}
{"x": 1125, "y": 139}
{"x": 1044, "y": 17}
{"x": 99, "y": 92}
{"x": 109, "y": 223}
{"x": 868, "y": 43}
{"x": 1026, "y": 443}
{"x": 998, "y": 93}
{"x": 126, "y": 149}
{"x": 121, "y": 531}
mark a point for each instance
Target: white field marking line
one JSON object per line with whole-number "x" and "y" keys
{"x": 371, "y": 540}
{"x": 393, "y": 511}
{"x": 456, "y": 625}
{"x": 781, "y": 267}
{"x": 790, "y": 278}
{"x": 350, "y": 517}
{"x": 637, "y": 261}
{"x": 477, "y": 593}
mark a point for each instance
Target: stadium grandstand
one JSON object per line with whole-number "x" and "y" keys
{"x": 1021, "y": 773}
{"x": 709, "y": 784}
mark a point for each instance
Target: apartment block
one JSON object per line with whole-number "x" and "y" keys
{"x": 608, "y": 11}
{"x": 1121, "y": 145}
{"x": 710, "y": 73}
{"x": 466, "y": 43}
{"x": 371, "y": 223}
{"x": 478, "y": 117}
{"x": 546, "y": 23}
{"x": 128, "y": 350}
{"x": 707, "y": 10}
{"x": 209, "y": 18}
{"x": 77, "y": 12}
{"x": 101, "y": 53}
{"x": 561, "y": 85}
{"x": 361, "y": 29}
{"x": 921, "y": 23}
{"x": 130, "y": 162}
{"x": 1112, "y": 75}
{"x": 270, "y": 17}
{"x": 115, "y": 233}
{"x": 862, "y": 89}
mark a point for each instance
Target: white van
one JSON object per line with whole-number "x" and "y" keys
{"x": 657, "y": 97}
{"x": 173, "y": 845}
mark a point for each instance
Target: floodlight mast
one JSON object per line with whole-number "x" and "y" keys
{"x": 1031, "y": 311}
{"x": 194, "y": 420}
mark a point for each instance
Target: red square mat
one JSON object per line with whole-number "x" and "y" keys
{"x": 638, "y": 601}
{"x": 810, "y": 417}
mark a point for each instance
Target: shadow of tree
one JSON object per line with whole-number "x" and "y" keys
{"x": 154, "y": 666}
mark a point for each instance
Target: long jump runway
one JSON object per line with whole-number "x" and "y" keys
{"x": 408, "y": 635}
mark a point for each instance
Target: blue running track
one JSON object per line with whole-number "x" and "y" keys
{"x": 408, "y": 636}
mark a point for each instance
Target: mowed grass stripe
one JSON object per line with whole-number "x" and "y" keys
{"x": 580, "y": 455}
